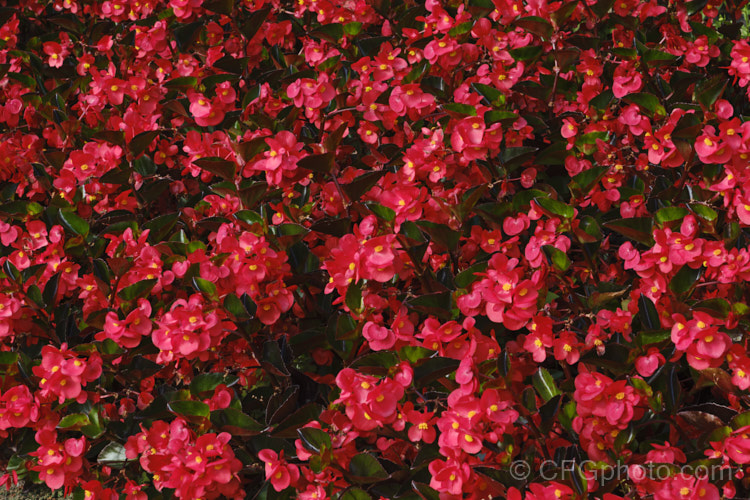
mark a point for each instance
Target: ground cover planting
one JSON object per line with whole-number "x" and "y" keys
{"x": 375, "y": 249}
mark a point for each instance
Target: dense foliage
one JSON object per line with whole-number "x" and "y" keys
{"x": 375, "y": 249}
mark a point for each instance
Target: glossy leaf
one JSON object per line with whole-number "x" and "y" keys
{"x": 137, "y": 290}
{"x": 113, "y": 455}
{"x": 545, "y": 384}
{"x": 314, "y": 439}
{"x": 365, "y": 465}
{"x": 189, "y": 408}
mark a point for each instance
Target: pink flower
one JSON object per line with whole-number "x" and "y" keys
{"x": 379, "y": 338}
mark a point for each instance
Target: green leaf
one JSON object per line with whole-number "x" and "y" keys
{"x": 385, "y": 213}
{"x": 702, "y": 29}
{"x": 494, "y": 96}
{"x": 704, "y": 212}
{"x": 669, "y": 214}
{"x": 536, "y": 25}
{"x": 384, "y": 359}
{"x": 362, "y": 184}
{"x": 109, "y": 346}
{"x": 580, "y": 483}
{"x": 567, "y": 415}
{"x": 434, "y": 368}
{"x": 234, "y": 305}
{"x": 159, "y": 227}
{"x": 708, "y": 91}
{"x": 426, "y": 492}
{"x": 555, "y": 207}
{"x": 354, "y": 494}
{"x": 323, "y": 162}
{"x": 635, "y": 228}
{"x": 250, "y": 27}
{"x": 288, "y": 427}
{"x": 50, "y": 290}
{"x": 94, "y": 428}
{"x": 602, "y": 100}
{"x": 140, "y": 142}
{"x": 73, "y": 420}
{"x": 673, "y": 391}
{"x": 548, "y": 413}
{"x": 653, "y": 337}
{"x": 439, "y": 304}
{"x": 186, "y": 34}
{"x": 545, "y": 384}
{"x": 249, "y": 217}
{"x": 717, "y": 307}
{"x": 235, "y": 422}
{"x": 654, "y": 57}
{"x": 74, "y": 223}
{"x": 205, "y": 286}
{"x": 684, "y": 280}
{"x": 470, "y": 275}
{"x": 272, "y": 358}
{"x": 625, "y": 52}
{"x": 20, "y": 207}
{"x": 688, "y": 127}
{"x": 561, "y": 15}
{"x": 648, "y": 314}
{"x": 315, "y": 440}
{"x": 210, "y": 82}
{"x": 460, "y": 109}
{"x": 137, "y": 290}
{"x": 333, "y": 140}
{"x": 352, "y": 29}
{"x": 8, "y": 358}
{"x": 189, "y": 408}
{"x": 420, "y": 69}
{"x": 590, "y": 226}
{"x": 526, "y": 53}
{"x": 740, "y": 420}
{"x": 236, "y": 67}
{"x": 648, "y": 102}
{"x": 223, "y": 168}
{"x": 290, "y": 230}
{"x": 220, "y": 6}
{"x": 586, "y": 180}
{"x": 334, "y": 226}
{"x": 461, "y": 29}
{"x": 111, "y": 136}
{"x": 145, "y": 166}
{"x": 516, "y": 156}
{"x": 591, "y": 138}
{"x": 441, "y": 234}
{"x": 333, "y": 32}
{"x": 365, "y": 465}
{"x": 141, "y": 367}
{"x": 559, "y": 259}
{"x": 414, "y": 354}
{"x": 505, "y": 117}
{"x": 113, "y": 455}
{"x": 602, "y": 7}
{"x": 353, "y": 299}
{"x": 23, "y": 79}
{"x": 207, "y": 382}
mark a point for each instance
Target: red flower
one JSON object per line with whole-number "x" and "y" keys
{"x": 648, "y": 364}
{"x": 379, "y": 338}
{"x": 56, "y": 54}
{"x": 422, "y": 426}
{"x": 627, "y": 80}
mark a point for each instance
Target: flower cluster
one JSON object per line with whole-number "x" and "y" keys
{"x": 371, "y": 249}
{"x": 195, "y": 467}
